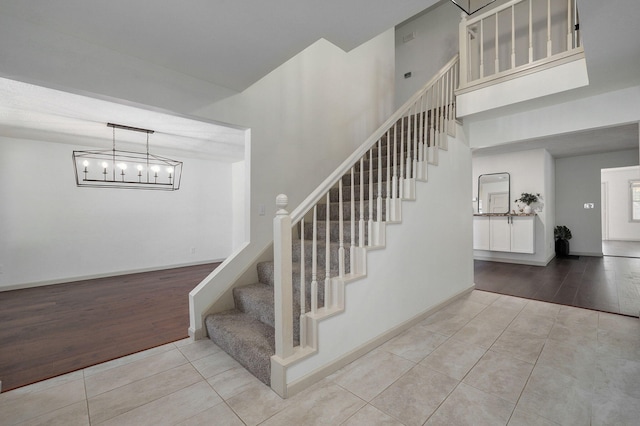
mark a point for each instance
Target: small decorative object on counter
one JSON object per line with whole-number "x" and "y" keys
{"x": 527, "y": 199}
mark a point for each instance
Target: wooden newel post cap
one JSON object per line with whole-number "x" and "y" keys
{"x": 281, "y": 202}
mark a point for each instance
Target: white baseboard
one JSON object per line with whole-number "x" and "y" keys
{"x": 322, "y": 372}
{"x": 586, "y": 253}
{"x": 516, "y": 261}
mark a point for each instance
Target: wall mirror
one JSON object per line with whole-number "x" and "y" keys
{"x": 494, "y": 193}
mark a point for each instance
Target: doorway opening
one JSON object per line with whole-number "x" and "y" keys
{"x": 620, "y": 209}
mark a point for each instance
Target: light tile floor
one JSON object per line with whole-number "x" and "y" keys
{"x": 485, "y": 359}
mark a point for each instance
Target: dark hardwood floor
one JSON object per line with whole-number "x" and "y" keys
{"x": 610, "y": 284}
{"x": 52, "y": 330}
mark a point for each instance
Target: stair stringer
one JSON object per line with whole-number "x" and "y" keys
{"x": 287, "y": 375}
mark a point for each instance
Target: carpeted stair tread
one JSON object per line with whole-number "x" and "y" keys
{"x": 247, "y": 340}
{"x": 257, "y": 301}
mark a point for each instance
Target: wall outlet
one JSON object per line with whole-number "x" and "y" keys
{"x": 589, "y": 205}
{"x": 193, "y": 250}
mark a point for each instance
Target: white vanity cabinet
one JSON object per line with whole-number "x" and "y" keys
{"x": 513, "y": 234}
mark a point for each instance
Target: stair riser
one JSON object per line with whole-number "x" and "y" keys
{"x": 267, "y": 278}
{"x": 335, "y": 232}
{"x": 263, "y": 310}
{"x": 321, "y": 255}
{"x": 334, "y": 210}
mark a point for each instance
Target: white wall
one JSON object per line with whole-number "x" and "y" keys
{"x": 578, "y": 182}
{"x": 618, "y": 207}
{"x": 435, "y": 43}
{"x": 53, "y": 231}
{"x": 429, "y": 272}
{"x": 305, "y": 118}
{"x": 532, "y": 172}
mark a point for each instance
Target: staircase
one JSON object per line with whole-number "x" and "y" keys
{"x": 330, "y": 239}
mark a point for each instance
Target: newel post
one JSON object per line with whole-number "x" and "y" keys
{"x": 283, "y": 291}
{"x": 463, "y": 40}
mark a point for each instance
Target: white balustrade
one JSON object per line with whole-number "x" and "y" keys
{"x": 528, "y": 32}
{"x": 408, "y": 134}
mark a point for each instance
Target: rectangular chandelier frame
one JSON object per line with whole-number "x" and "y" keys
{"x": 126, "y": 169}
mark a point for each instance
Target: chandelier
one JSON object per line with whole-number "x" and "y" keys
{"x": 472, "y": 6}
{"x": 126, "y": 169}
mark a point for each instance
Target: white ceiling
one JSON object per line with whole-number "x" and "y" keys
{"x": 224, "y": 42}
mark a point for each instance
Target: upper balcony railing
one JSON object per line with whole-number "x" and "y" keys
{"x": 517, "y": 37}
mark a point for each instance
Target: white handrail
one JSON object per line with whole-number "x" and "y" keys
{"x": 328, "y": 183}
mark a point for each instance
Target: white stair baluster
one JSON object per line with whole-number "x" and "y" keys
{"x": 420, "y": 151}
{"x": 482, "y": 48}
{"x": 394, "y": 183}
{"x": 436, "y": 118}
{"x": 569, "y": 26}
{"x": 549, "y": 43}
{"x": 427, "y": 109}
{"x": 445, "y": 118}
{"x": 303, "y": 290}
{"x": 456, "y": 74}
{"x": 433, "y": 143}
{"x": 513, "y": 36}
{"x": 370, "y": 201}
{"x": 441, "y": 129}
{"x": 379, "y": 199}
{"x": 408, "y": 172}
{"x": 361, "y": 223}
{"x": 341, "y": 233}
{"x": 314, "y": 262}
{"x": 496, "y": 67}
{"x": 464, "y": 41}
{"x": 388, "y": 198}
{"x": 327, "y": 254}
{"x": 403, "y": 136}
{"x": 352, "y": 248}
{"x": 530, "y": 32}
{"x": 414, "y": 171}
